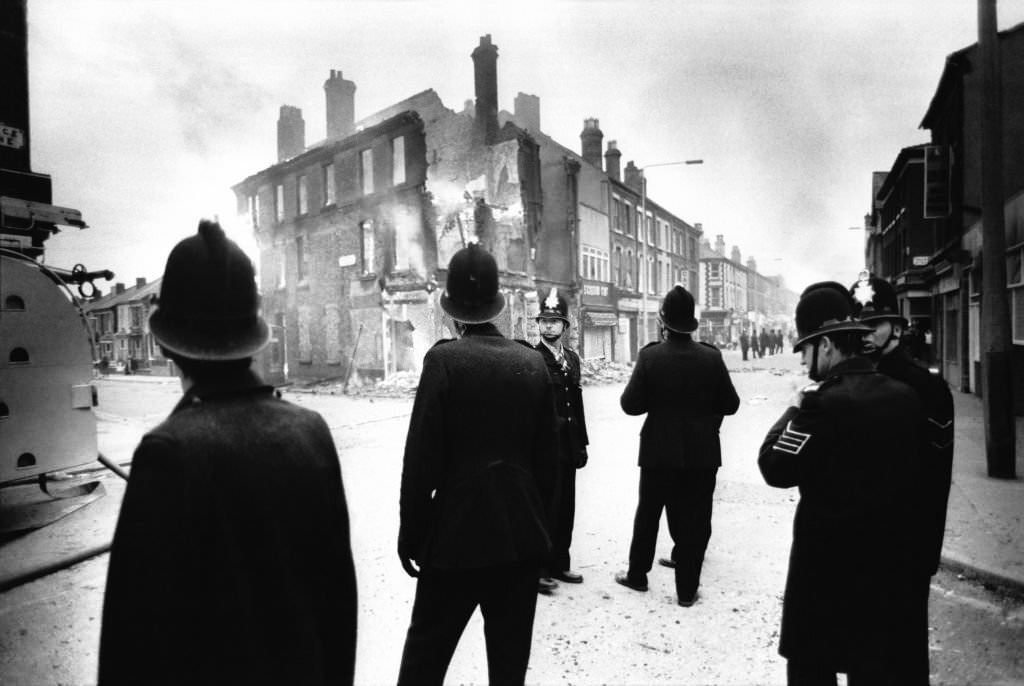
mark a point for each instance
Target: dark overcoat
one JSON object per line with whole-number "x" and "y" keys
{"x": 849, "y": 448}
{"x": 480, "y": 461}
{"x": 568, "y": 393}
{"x": 685, "y": 389}
{"x": 231, "y": 561}
{"x": 935, "y": 454}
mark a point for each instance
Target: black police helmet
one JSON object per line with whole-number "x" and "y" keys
{"x": 825, "y": 307}
{"x": 209, "y": 308}
{"x": 874, "y": 299}
{"x": 554, "y": 306}
{"x": 677, "y": 311}
{"x": 471, "y": 292}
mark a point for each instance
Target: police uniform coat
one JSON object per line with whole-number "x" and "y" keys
{"x": 849, "y": 448}
{"x": 231, "y": 560}
{"x": 568, "y": 392}
{"x": 935, "y": 453}
{"x": 685, "y": 389}
{"x": 478, "y": 473}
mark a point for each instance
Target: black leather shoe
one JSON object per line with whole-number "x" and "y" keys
{"x": 568, "y": 576}
{"x": 690, "y": 602}
{"x": 545, "y": 585}
{"x": 666, "y": 562}
{"x": 623, "y": 578}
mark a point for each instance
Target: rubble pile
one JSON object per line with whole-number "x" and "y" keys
{"x": 597, "y": 370}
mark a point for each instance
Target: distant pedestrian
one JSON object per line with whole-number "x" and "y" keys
{"x": 685, "y": 390}
{"x": 744, "y": 344}
{"x": 848, "y": 444}
{"x": 755, "y": 344}
{"x": 777, "y": 341}
{"x": 564, "y": 369}
{"x": 478, "y": 479}
{"x": 877, "y": 307}
{"x": 765, "y": 347}
{"x": 231, "y": 561}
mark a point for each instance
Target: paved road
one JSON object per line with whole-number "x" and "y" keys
{"x": 597, "y": 632}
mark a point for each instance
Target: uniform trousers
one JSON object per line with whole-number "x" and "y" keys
{"x": 911, "y": 654}
{"x": 445, "y": 600}
{"x": 686, "y": 495}
{"x": 564, "y": 518}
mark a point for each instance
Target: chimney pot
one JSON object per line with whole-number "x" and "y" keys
{"x": 291, "y": 133}
{"x": 527, "y": 111}
{"x": 611, "y": 160}
{"x": 485, "y": 73}
{"x": 341, "y": 105}
{"x": 590, "y": 140}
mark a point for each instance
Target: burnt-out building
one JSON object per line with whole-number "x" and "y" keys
{"x": 355, "y": 232}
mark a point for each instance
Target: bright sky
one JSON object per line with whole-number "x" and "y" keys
{"x": 145, "y": 113}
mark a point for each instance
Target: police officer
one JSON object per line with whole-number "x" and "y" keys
{"x": 564, "y": 368}
{"x": 684, "y": 388}
{"x": 875, "y": 305}
{"x": 478, "y": 478}
{"x": 848, "y": 444}
{"x": 231, "y": 560}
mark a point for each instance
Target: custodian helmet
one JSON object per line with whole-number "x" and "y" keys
{"x": 554, "y": 306}
{"x": 471, "y": 292}
{"x": 874, "y": 299}
{"x": 824, "y": 308}
{"x": 677, "y": 311}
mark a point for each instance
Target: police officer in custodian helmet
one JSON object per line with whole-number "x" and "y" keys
{"x": 478, "y": 479}
{"x": 684, "y": 388}
{"x": 848, "y": 444}
{"x": 564, "y": 368}
{"x": 875, "y": 305}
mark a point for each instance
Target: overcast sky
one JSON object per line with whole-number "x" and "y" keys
{"x": 145, "y": 113}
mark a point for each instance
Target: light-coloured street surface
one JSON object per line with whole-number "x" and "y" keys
{"x": 594, "y": 633}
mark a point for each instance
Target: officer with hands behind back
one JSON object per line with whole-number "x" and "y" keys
{"x": 684, "y": 388}
{"x": 848, "y": 444}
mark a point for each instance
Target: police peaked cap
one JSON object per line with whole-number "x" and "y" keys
{"x": 874, "y": 299}
{"x": 554, "y": 306}
{"x": 209, "y": 307}
{"x": 677, "y": 311}
{"x": 825, "y": 308}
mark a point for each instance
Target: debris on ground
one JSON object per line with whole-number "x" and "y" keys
{"x": 596, "y": 371}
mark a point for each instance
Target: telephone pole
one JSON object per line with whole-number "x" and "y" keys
{"x": 996, "y": 349}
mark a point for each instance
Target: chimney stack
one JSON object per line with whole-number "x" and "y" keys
{"x": 485, "y": 73}
{"x": 341, "y": 105}
{"x": 633, "y": 177}
{"x": 140, "y": 281}
{"x": 611, "y": 160}
{"x": 527, "y": 112}
{"x": 752, "y": 264}
{"x": 118, "y": 288}
{"x": 291, "y": 133}
{"x": 720, "y": 245}
{"x": 735, "y": 256}
{"x": 591, "y": 140}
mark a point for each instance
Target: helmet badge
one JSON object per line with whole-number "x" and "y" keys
{"x": 551, "y": 302}
{"x": 864, "y": 292}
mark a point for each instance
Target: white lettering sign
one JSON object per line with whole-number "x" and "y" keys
{"x": 11, "y": 137}
{"x": 346, "y": 260}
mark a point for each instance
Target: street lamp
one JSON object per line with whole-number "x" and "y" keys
{"x": 644, "y": 269}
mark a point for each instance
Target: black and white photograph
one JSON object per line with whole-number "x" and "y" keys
{"x": 549, "y": 342}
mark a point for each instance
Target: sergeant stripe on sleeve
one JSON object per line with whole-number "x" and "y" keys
{"x": 791, "y": 441}
{"x": 939, "y": 424}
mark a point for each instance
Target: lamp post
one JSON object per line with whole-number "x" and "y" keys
{"x": 645, "y": 278}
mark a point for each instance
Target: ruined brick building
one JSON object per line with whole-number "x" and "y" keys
{"x": 355, "y": 232}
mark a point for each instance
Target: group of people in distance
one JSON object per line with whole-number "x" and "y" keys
{"x": 761, "y": 344}
{"x": 232, "y": 563}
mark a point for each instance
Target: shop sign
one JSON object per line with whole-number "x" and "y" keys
{"x": 596, "y": 294}
{"x": 632, "y": 304}
{"x": 601, "y": 318}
